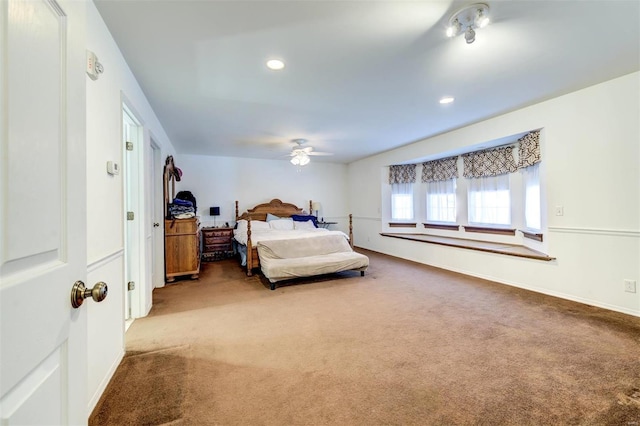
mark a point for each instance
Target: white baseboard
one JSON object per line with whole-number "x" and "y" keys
{"x": 105, "y": 382}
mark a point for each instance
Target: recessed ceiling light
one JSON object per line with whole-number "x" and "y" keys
{"x": 447, "y": 100}
{"x": 275, "y": 64}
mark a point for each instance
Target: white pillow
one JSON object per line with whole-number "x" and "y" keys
{"x": 282, "y": 224}
{"x": 257, "y": 225}
{"x": 271, "y": 217}
{"x": 304, "y": 225}
{"x": 242, "y": 226}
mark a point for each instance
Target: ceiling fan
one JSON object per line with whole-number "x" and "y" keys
{"x": 300, "y": 156}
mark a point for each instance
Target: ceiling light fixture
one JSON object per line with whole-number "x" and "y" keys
{"x": 467, "y": 20}
{"x": 447, "y": 100}
{"x": 275, "y": 64}
{"x": 300, "y": 159}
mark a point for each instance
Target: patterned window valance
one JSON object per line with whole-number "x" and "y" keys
{"x": 490, "y": 162}
{"x": 529, "y": 149}
{"x": 438, "y": 170}
{"x": 403, "y": 173}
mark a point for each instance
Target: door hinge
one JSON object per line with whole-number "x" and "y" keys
{"x": 130, "y": 216}
{"x": 131, "y": 285}
{"x": 129, "y": 146}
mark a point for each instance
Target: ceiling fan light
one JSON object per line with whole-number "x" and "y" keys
{"x": 450, "y": 31}
{"x": 482, "y": 19}
{"x": 467, "y": 20}
{"x": 453, "y": 29}
{"x": 300, "y": 158}
{"x": 470, "y": 35}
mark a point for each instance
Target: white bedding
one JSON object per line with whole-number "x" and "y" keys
{"x": 324, "y": 254}
{"x": 257, "y": 235}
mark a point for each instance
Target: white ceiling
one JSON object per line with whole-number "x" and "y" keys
{"x": 361, "y": 77}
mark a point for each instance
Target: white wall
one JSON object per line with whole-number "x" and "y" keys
{"x": 590, "y": 148}
{"x": 220, "y": 181}
{"x": 105, "y": 211}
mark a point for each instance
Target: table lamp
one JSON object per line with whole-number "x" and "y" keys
{"x": 316, "y": 205}
{"x": 214, "y": 211}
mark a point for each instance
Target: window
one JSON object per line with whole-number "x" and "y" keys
{"x": 489, "y": 200}
{"x": 499, "y": 199}
{"x": 441, "y": 201}
{"x": 531, "y": 180}
{"x": 402, "y": 201}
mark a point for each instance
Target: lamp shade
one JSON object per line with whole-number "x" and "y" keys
{"x": 214, "y": 211}
{"x": 316, "y": 205}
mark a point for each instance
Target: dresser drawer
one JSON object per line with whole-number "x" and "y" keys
{"x": 219, "y": 233}
{"x": 181, "y": 226}
{"x": 216, "y": 240}
{"x": 217, "y": 247}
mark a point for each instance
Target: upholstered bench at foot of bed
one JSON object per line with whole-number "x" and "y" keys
{"x": 287, "y": 259}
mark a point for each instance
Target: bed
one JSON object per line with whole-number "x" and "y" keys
{"x": 272, "y": 222}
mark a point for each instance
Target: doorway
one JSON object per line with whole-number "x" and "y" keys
{"x": 132, "y": 136}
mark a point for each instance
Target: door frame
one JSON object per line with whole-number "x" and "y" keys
{"x": 134, "y": 235}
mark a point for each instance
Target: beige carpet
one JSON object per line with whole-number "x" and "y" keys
{"x": 405, "y": 345}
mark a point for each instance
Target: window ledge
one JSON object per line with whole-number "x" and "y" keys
{"x": 486, "y": 246}
{"x": 402, "y": 224}
{"x": 441, "y": 226}
{"x": 531, "y": 235}
{"x": 488, "y": 230}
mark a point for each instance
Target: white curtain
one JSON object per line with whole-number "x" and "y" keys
{"x": 402, "y": 201}
{"x": 489, "y": 200}
{"x": 532, "y": 210}
{"x": 441, "y": 201}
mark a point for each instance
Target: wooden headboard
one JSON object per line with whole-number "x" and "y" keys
{"x": 276, "y": 207}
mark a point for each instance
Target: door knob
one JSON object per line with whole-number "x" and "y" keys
{"x": 79, "y": 292}
{"x": 156, "y": 224}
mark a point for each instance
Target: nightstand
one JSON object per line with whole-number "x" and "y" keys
{"x": 217, "y": 243}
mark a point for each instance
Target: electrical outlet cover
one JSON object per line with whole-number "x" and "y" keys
{"x": 630, "y": 286}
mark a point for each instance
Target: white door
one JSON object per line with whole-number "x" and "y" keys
{"x": 154, "y": 189}
{"x": 43, "y": 346}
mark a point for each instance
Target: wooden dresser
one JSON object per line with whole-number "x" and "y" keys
{"x": 182, "y": 248}
{"x": 217, "y": 243}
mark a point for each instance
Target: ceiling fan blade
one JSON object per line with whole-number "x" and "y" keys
{"x": 307, "y": 150}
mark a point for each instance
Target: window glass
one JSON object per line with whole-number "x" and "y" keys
{"x": 489, "y": 200}
{"x": 532, "y": 211}
{"x": 402, "y": 201}
{"x": 441, "y": 201}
